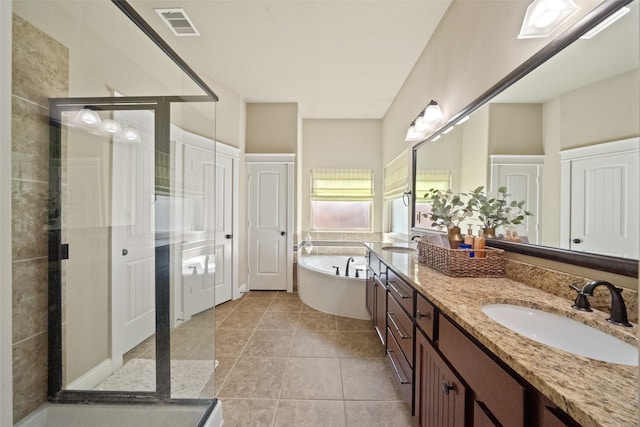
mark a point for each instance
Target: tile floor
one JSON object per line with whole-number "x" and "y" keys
{"x": 283, "y": 363}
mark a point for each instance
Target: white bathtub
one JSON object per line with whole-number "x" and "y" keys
{"x": 319, "y": 287}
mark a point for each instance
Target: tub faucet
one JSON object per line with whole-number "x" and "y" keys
{"x": 417, "y": 236}
{"x": 346, "y": 272}
{"x": 618, "y": 308}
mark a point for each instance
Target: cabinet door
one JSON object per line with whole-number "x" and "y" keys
{"x": 440, "y": 395}
{"x": 369, "y": 292}
{"x": 380, "y": 303}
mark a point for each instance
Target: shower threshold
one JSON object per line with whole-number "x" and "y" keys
{"x": 123, "y": 415}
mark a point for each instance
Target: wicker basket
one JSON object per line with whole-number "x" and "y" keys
{"x": 459, "y": 263}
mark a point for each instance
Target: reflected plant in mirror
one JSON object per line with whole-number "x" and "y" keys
{"x": 448, "y": 210}
{"x": 496, "y": 210}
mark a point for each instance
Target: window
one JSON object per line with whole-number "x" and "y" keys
{"x": 396, "y": 180}
{"x": 341, "y": 199}
{"x": 425, "y": 180}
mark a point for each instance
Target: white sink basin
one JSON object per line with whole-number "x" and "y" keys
{"x": 399, "y": 249}
{"x": 563, "y": 333}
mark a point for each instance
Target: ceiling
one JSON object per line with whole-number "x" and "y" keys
{"x": 336, "y": 59}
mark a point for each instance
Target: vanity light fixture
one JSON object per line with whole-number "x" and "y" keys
{"x": 462, "y": 120}
{"x": 88, "y": 117}
{"x": 111, "y": 126}
{"x": 605, "y": 23}
{"x": 427, "y": 118}
{"x": 544, "y": 16}
{"x": 132, "y": 135}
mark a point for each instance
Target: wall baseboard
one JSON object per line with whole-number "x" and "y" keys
{"x": 92, "y": 378}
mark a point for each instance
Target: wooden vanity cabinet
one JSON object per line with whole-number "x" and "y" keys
{"x": 400, "y": 332}
{"x": 440, "y": 395}
{"x": 376, "y": 295}
{"x": 450, "y": 378}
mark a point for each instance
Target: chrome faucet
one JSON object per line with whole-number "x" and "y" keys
{"x": 618, "y": 307}
{"x": 346, "y": 273}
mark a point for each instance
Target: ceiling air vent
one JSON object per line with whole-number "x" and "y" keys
{"x": 178, "y": 21}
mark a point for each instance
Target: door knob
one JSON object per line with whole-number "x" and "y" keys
{"x": 125, "y": 252}
{"x": 446, "y": 388}
{"x": 282, "y": 233}
{"x": 228, "y": 236}
{"x": 576, "y": 241}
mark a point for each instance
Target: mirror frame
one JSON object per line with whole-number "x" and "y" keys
{"x": 622, "y": 266}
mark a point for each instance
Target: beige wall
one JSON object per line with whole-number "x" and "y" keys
{"x": 474, "y": 165}
{"x": 515, "y": 129}
{"x": 272, "y": 128}
{"x": 349, "y": 144}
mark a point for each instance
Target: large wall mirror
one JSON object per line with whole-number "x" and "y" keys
{"x": 561, "y": 132}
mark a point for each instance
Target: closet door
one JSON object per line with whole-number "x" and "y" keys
{"x": 268, "y": 226}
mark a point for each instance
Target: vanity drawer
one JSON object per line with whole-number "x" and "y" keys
{"x": 401, "y": 326}
{"x": 425, "y": 316}
{"x": 400, "y": 369}
{"x": 502, "y": 394}
{"x": 401, "y": 291}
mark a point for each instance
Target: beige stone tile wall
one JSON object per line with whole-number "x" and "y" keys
{"x": 40, "y": 70}
{"x": 557, "y": 283}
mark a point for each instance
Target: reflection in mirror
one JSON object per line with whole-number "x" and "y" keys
{"x": 532, "y": 138}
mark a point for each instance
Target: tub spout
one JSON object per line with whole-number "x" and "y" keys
{"x": 346, "y": 272}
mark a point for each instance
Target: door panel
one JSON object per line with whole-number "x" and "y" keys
{"x": 604, "y": 205}
{"x": 522, "y": 184}
{"x": 267, "y": 226}
{"x": 133, "y": 239}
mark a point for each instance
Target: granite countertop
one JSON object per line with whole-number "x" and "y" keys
{"x": 593, "y": 392}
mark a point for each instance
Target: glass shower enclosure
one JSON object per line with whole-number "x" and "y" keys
{"x": 121, "y": 211}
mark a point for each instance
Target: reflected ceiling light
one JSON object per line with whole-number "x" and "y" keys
{"x": 447, "y": 130}
{"x": 544, "y": 16}
{"x": 132, "y": 135}
{"x": 604, "y": 24}
{"x": 462, "y": 120}
{"x": 88, "y": 117}
{"x": 111, "y": 126}
{"x": 425, "y": 121}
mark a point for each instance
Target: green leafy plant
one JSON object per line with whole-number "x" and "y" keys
{"x": 494, "y": 210}
{"x": 448, "y": 209}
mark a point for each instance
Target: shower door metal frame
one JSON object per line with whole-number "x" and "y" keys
{"x": 58, "y": 252}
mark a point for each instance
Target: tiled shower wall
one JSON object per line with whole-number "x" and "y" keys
{"x": 40, "y": 70}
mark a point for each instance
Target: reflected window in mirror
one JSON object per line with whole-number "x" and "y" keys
{"x": 396, "y": 196}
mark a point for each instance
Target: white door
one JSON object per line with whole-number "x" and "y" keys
{"x": 208, "y": 180}
{"x": 223, "y": 229}
{"x": 267, "y": 212}
{"x": 522, "y": 182}
{"x": 133, "y": 237}
{"x": 605, "y": 204}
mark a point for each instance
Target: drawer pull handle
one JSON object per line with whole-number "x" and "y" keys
{"x": 395, "y": 325}
{"x": 392, "y": 286}
{"x": 395, "y": 368}
{"x": 420, "y": 315}
{"x": 446, "y": 388}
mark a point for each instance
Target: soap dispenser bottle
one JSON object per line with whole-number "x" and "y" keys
{"x": 478, "y": 245}
{"x": 468, "y": 239}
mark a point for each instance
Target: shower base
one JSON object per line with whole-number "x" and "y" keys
{"x": 102, "y": 415}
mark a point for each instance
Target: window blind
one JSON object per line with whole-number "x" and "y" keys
{"x": 396, "y": 177}
{"x": 427, "y": 179}
{"x": 341, "y": 184}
